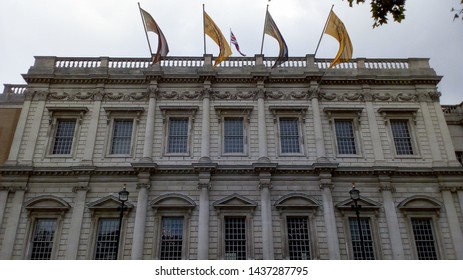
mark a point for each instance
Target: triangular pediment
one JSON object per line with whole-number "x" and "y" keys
{"x": 235, "y": 201}
{"x": 365, "y": 203}
{"x": 297, "y": 201}
{"x": 47, "y": 203}
{"x": 172, "y": 201}
{"x": 108, "y": 202}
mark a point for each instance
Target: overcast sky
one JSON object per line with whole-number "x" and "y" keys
{"x": 93, "y": 28}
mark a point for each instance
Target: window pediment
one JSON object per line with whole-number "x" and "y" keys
{"x": 173, "y": 201}
{"x": 365, "y": 203}
{"x": 47, "y": 203}
{"x": 297, "y": 201}
{"x": 110, "y": 202}
{"x": 420, "y": 203}
{"x": 235, "y": 201}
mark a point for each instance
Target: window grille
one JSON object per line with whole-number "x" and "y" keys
{"x": 64, "y": 136}
{"x": 298, "y": 238}
{"x": 42, "y": 241}
{"x": 233, "y": 135}
{"x": 424, "y": 238}
{"x": 402, "y": 137}
{"x": 289, "y": 135}
{"x": 367, "y": 238}
{"x": 107, "y": 239}
{"x": 178, "y": 135}
{"x": 235, "y": 238}
{"x": 122, "y": 136}
{"x": 345, "y": 137}
{"x": 172, "y": 238}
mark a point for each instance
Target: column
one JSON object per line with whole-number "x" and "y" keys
{"x": 138, "y": 242}
{"x": 430, "y": 128}
{"x": 330, "y": 219}
{"x": 6, "y": 251}
{"x": 454, "y": 223}
{"x": 317, "y": 120}
{"x": 36, "y": 122}
{"x": 92, "y": 130}
{"x": 149, "y": 131}
{"x": 373, "y": 125}
{"x": 206, "y": 124}
{"x": 262, "y": 128}
{"x": 392, "y": 221}
{"x": 76, "y": 221}
{"x": 204, "y": 185}
{"x": 266, "y": 216}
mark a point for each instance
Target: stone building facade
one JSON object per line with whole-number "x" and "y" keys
{"x": 240, "y": 161}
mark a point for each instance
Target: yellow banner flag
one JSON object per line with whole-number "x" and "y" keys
{"x": 213, "y": 31}
{"x": 152, "y": 26}
{"x": 336, "y": 28}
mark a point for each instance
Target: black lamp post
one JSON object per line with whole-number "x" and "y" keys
{"x": 123, "y": 197}
{"x": 355, "y": 195}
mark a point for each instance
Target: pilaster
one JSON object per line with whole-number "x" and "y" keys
{"x": 327, "y": 186}
{"x": 143, "y": 186}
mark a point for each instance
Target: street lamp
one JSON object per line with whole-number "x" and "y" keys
{"x": 123, "y": 197}
{"x": 355, "y": 195}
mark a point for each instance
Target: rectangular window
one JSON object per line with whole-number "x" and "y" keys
{"x": 345, "y": 137}
{"x": 367, "y": 238}
{"x": 172, "y": 238}
{"x": 107, "y": 239}
{"x": 122, "y": 136}
{"x": 233, "y": 135}
{"x": 298, "y": 238}
{"x": 64, "y": 136}
{"x": 289, "y": 135}
{"x": 402, "y": 137}
{"x": 424, "y": 238}
{"x": 235, "y": 238}
{"x": 178, "y": 135}
{"x": 42, "y": 239}
{"x": 459, "y": 156}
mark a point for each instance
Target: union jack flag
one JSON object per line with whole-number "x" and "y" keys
{"x": 235, "y": 42}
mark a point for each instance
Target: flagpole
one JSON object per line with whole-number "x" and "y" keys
{"x": 324, "y": 28}
{"x": 146, "y": 32}
{"x": 204, "y": 31}
{"x": 263, "y": 33}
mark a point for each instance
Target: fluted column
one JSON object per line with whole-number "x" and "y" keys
{"x": 456, "y": 232}
{"x": 206, "y": 124}
{"x": 76, "y": 222}
{"x": 204, "y": 185}
{"x": 330, "y": 219}
{"x": 149, "y": 131}
{"x": 6, "y": 250}
{"x": 317, "y": 120}
{"x": 138, "y": 242}
{"x": 392, "y": 221}
{"x": 266, "y": 216}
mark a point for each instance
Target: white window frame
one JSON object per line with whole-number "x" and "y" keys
{"x": 64, "y": 113}
{"x": 121, "y": 113}
{"x": 405, "y": 114}
{"x": 421, "y": 206}
{"x": 172, "y": 205}
{"x": 45, "y": 207}
{"x": 353, "y": 115}
{"x": 180, "y": 112}
{"x": 290, "y": 112}
{"x": 229, "y": 112}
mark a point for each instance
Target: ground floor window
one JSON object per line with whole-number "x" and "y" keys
{"x": 235, "y": 238}
{"x": 298, "y": 238}
{"x": 42, "y": 240}
{"x": 424, "y": 238}
{"x": 107, "y": 239}
{"x": 356, "y": 240}
{"x": 171, "y": 238}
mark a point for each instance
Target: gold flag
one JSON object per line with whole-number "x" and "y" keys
{"x": 336, "y": 28}
{"x": 271, "y": 29}
{"x": 213, "y": 31}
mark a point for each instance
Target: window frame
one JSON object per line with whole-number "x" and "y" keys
{"x": 290, "y": 112}
{"x": 181, "y": 112}
{"x": 64, "y": 113}
{"x": 408, "y": 115}
{"x": 45, "y": 207}
{"x": 97, "y": 227}
{"x": 352, "y": 114}
{"x": 232, "y": 112}
{"x": 121, "y": 113}
{"x": 374, "y": 234}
